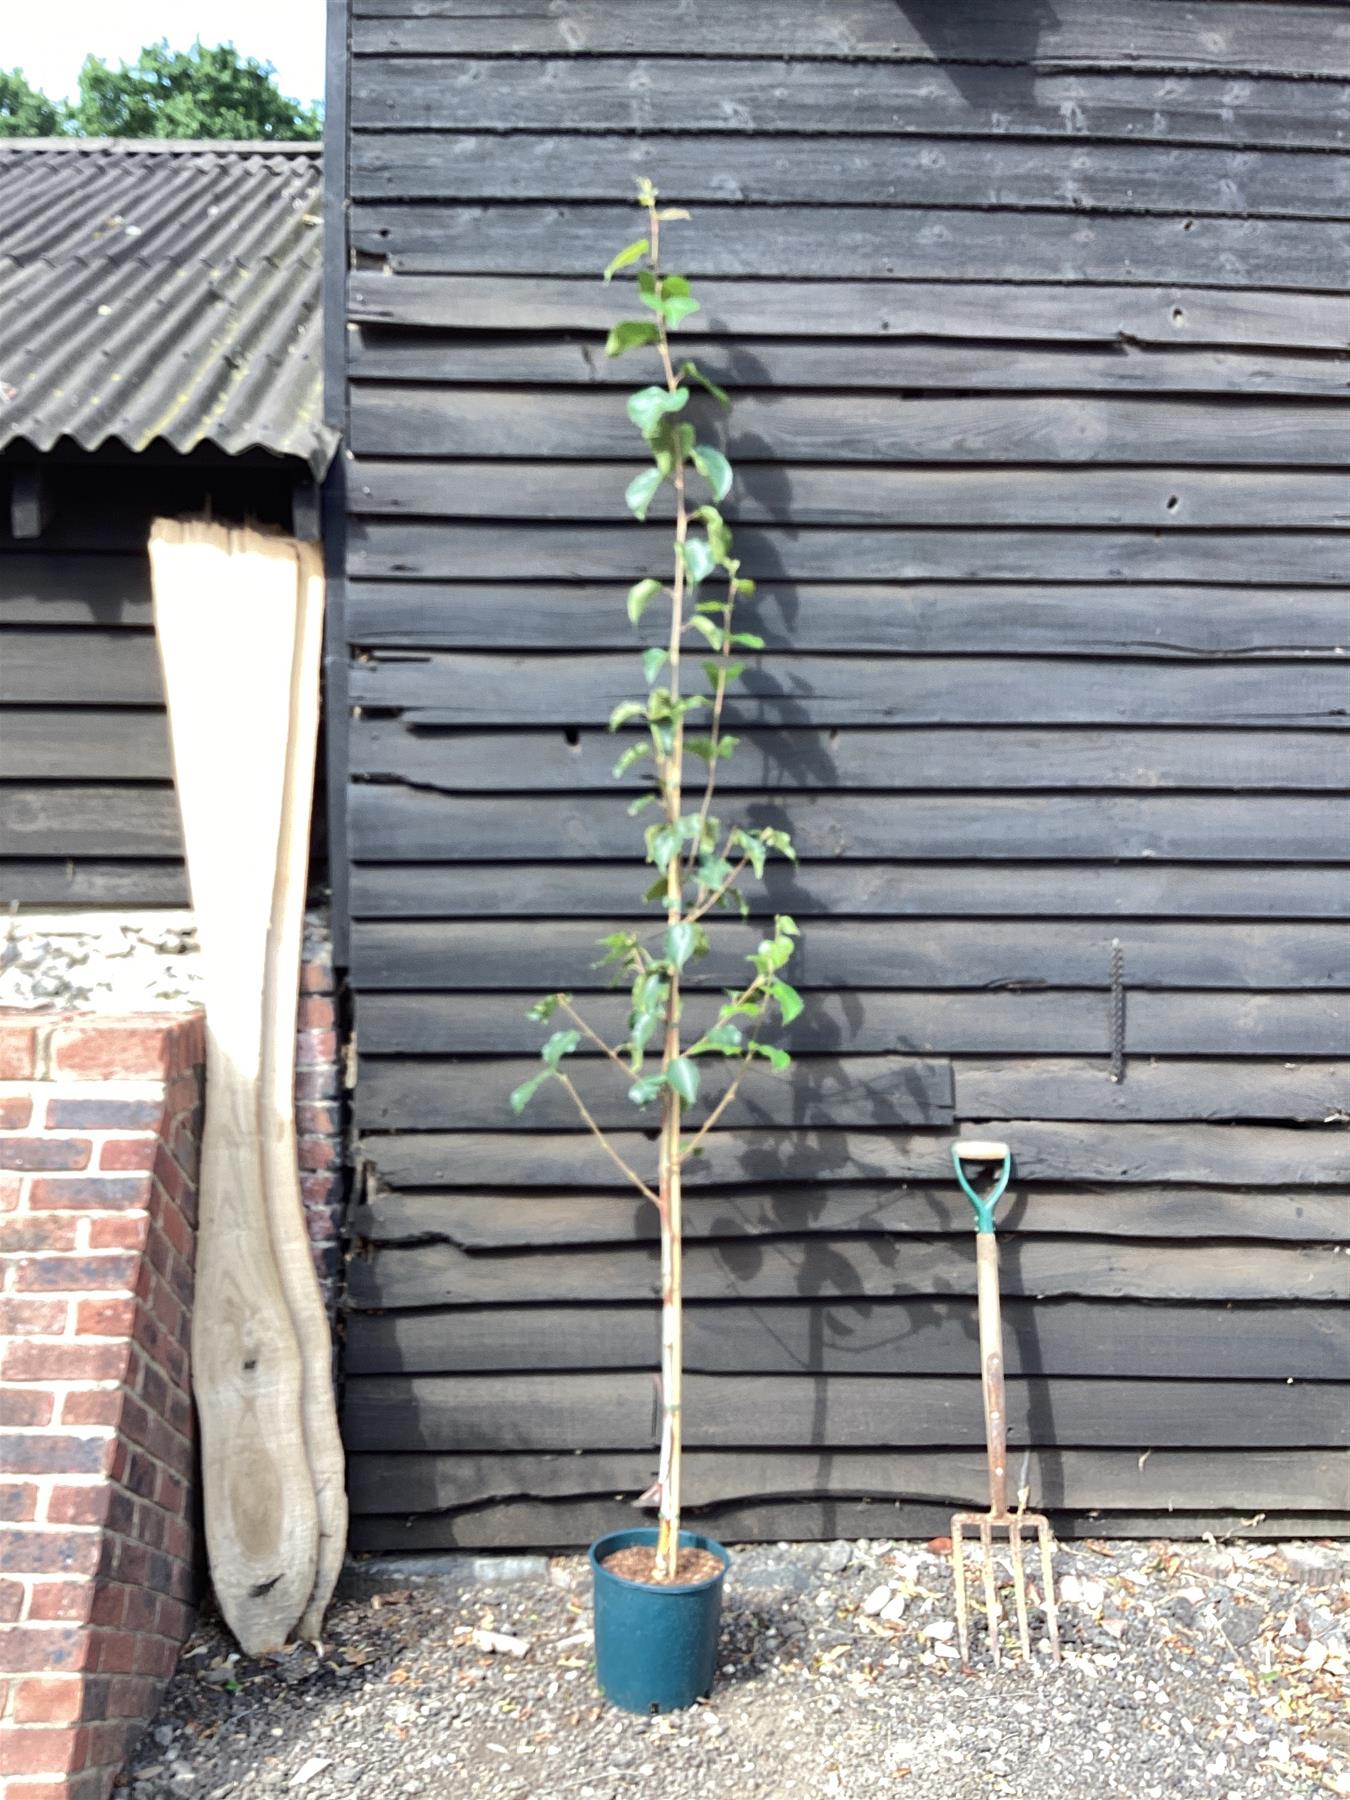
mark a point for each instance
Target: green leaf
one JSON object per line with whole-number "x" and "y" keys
{"x": 713, "y": 871}
{"x": 544, "y": 1009}
{"x": 631, "y": 334}
{"x": 778, "y": 1060}
{"x": 677, "y": 307}
{"x": 647, "y": 289}
{"x": 561, "y": 1044}
{"x": 682, "y": 1076}
{"x": 641, "y": 491}
{"x": 640, "y": 597}
{"x": 782, "y": 843}
{"x": 618, "y": 946}
{"x": 698, "y": 559}
{"x": 635, "y": 753}
{"x": 694, "y": 373}
{"x": 645, "y": 1090}
{"x": 641, "y": 804}
{"x": 747, "y": 640}
{"x": 789, "y": 1001}
{"x": 714, "y": 468}
{"x": 723, "y": 1036}
{"x": 624, "y": 711}
{"x": 653, "y": 661}
{"x": 680, "y": 942}
{"x": 649, "y": 405}
{"x": 629, "y": 254}
{"x": 706, "y": 750}
{"x": 785, "y": 925}
{"x": 719, "y": 535}
{"x": 709, "y": 630}
{"x": 742, "y": 589}
{"x": 521, "y": 1096}
{"x": 663, "y": 843}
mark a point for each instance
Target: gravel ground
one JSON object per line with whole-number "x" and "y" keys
{"x": 1214, "y": 1670}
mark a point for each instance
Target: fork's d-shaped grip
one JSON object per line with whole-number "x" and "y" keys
{"x": 976, "y": 1150}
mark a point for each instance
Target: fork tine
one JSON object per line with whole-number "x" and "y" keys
{"x": 1019, "y": 1585}
{"x": 990, "y": 1588}
{"x": 959, "y": 1581}
{"x": 1048, "y": 1581}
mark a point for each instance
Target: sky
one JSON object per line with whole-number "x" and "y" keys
{"x": 50, "y": 41}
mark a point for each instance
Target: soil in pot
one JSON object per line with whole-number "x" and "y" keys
{"x": 637, "y": 1562}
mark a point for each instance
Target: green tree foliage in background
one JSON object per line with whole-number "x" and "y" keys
{"x": 201, "y": 92}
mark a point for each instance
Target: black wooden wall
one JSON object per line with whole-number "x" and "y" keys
{"x": 1036, "y": 325}
{"x": 87, "y": 809}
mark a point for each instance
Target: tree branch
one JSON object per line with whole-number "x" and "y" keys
{"x": 605, "y": 1144}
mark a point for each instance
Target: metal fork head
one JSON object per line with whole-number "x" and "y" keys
{"x": 987, "y": 1526}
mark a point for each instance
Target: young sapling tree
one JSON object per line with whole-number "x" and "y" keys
{"x": 699, "y": 859}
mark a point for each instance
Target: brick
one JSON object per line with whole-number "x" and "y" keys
{"x": 108, "y": 1049}
{"x": 313, "y": 1048}
{"x": 38, "y": 1232}
{"x": 41, "y": 1750}
{"x": 89, "y": 1193}
{"x": 155, "y": 1657}
{"x": 11, "y": 1191}
{"x": 79, "y": 1505}
{"x": 317, "y": 1013}
{"x": 319, "y": 1153}
{"x": 316, "y": 1119}
{"x": 31, "y": 1153}
{"x": 64, "y": 1600}
{"x": 320, "y": 1083}
{"x": 128, "y": 1231}
{"x": 48, "y": 1700}
{"x": 51, "y": 1454}
{"x": 21, "y": 1316}
{"x": 26, "y": 1406}
{"x": 115, "y": 1652}
{"x": 18, "y": 1047}
{"x": 92, "y": 1406}
{"x": 74, "y": 1274}
{"x": 141, "y": 1608}
{"x": 93, "y": 1113}
{"x": 56, "y": 1649}
{"x": 16, "y": 1110}
{"x": 110, "y": 1604}
{"x": 173, "y": 1620}
{"x": 29, "y": 1550}
{"x": 128, "y": 1153}
{"x": 106, "y": 1318}
{"x": 18, "y": 1501}
{"x": 179, "y": 1233}
{"x": 12, "y": 1595}
{"x": 34, "y": 1359}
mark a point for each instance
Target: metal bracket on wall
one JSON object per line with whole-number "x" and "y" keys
{"x": 30, "y": 504}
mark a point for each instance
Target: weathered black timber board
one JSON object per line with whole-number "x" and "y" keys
{"x": 876, "y": 890}
{"x": 404, "y": 419}
{"x": 396, "y": 824}
{"x": 435, "y": 549}
{"x": 1278, "y": 1340}
{"x": 71, "y": 743}
{"x": 108, "y": 591}
{"x": 495, "y": 1222}
{"x": 1013, "y": 1023}
{"x": 583, "y": 689}
{"x": 1077, "y": 1478}
{"x": 1143, "y": 34}
{"x": 892, "y": 172}
{"x": 614, "y": 1411}
{"x": 813, "y": 494}
{"x": 67, "y": 881}
{"x": 462, "y": 93}
{"x": 471, "y": 1095}
{"x": 571, "y": 1525}
{"x": 1232, "y": 1156}
{"x": 1001, "y": 758}
{"x": 378, "y": 354}
{"x": 79, "y": 668}
{"x": 38, "y": 819}
{"x": 1115, "y": 317}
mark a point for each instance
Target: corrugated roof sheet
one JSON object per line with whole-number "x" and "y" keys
{"x": 153, "y": 290}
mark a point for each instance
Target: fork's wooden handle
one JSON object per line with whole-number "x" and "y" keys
{"x": 991, "y": 1367}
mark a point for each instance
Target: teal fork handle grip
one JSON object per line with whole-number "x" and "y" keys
{"x": 980, "y": 1150}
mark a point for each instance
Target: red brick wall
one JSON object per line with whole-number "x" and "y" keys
{"x": 98, "y": 1149}
{"x": 319, "y": 1107}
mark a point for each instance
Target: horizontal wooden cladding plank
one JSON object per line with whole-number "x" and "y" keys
{"x": 1210, "y": 1155}
{"x": 108, "y": 591}
{"x": 876, "y": 171}
{"x": 609, "y": 1411}
{"x": 862, "y": 241}
{"x": 1108, "y": 317}
{"x": 436, "y": 549}
{"x": 1279, "y": 1340}
{"x": 814, "y": 494}
{"x": 1003, "y": 757}
{"x": 67, "y": 743}
{"x": 573, "y": 1524}
{"x": 397, "y": 824}
{"x": 408, "y": 420}
{"x": 380, "y": 354}
{"x": 464, "y": 93}
{"x": 1109, "y": 1479}
{"x": 1145, "y": 34}
{"x": 847, "y": 954}
{"x": 470, "y": 1096}
{"x": 401, "y": 1096}
{"x": 73, "y": 668}
{"x": 40, "y": 819}
{"x": 449, "y": 688}
{"x": 68, "y": 881}
{"x": 870, "y": 890}
{"x": 533, "y": 1222}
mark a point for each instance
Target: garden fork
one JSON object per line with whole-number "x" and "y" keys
{"x": 998, "y": 1518}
